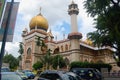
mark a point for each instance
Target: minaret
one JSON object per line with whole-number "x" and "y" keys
{"x": 73, "y": 12}
{"x": 74, "y": 36}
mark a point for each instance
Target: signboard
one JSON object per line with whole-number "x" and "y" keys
{"x": 2, "y": 2}
{"x": 12, "y": 21}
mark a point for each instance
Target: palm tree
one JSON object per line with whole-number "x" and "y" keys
{"x": 47, "y": 59}
{"x": 41, "y": 43}
{"x": 58, "y": 62}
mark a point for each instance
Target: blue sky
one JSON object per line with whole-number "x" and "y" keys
{"x": 55, "y": 11}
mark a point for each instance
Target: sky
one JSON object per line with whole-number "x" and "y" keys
{"x": 56, "y": 12}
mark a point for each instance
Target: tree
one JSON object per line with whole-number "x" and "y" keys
{"x": 37, "y": 65}
{"x": 58, "y": 61}
{"x": 47, "y": 59}
{"x": 21, "y": 50}
{"x": 106, "y": 15}
{"x": 40, "y": 43}
{"x": 13, "y": 62}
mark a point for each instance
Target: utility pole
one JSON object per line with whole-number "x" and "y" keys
{"x": 5, "y": 35}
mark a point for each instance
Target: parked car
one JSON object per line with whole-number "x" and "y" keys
{"x": 10, "y": 76}
{"x": 30, "y": 75}
{"x": 57, "y": 75}
{"x": 22, "y": 75}
{"x": 5, "y": 69}
{"x": 42, "y": 78}
{"x": 87, "y": 73}
{"x": 26, "y": 71}
{"x": 73, "y": 76}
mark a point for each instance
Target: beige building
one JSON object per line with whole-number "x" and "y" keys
{"x": 72, "y": 48}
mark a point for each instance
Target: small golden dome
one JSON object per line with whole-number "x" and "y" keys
{"x": 88, "y": 41}
{"x": 40, "y": 22}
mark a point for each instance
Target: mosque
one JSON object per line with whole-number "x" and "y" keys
{"x": 72, "y": 48}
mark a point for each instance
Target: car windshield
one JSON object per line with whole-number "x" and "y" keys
{"x": 22, "y": 74}
{"x": 73, "y": 76}
{"x": 10, "y": 77}
{"x": 28, "y": 72}
{"x": 65, "y": 77}
{"x": 96, "y": 70}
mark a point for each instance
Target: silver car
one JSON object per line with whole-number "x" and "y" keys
{"x": 10, "y": 76}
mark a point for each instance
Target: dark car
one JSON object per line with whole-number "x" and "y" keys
{"x": 87, "y": 73}
{"x": 26, "y": 71}
{"x": 30, "y": 75}
{"x": 73, "y": 76}
{"x": 10, "y": 76}
{"x": 42, "y": 78}
{"x": 57, "y": 75}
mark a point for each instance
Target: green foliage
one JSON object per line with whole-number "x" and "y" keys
{"x": 13, "y": 62}
{"x": 37, "y": 65}
{"x": 106, "y": 14}
{"x": 47, "y": 59}
{"x": 21, "y": 50}
{"x": 96, "y": 7}
{"x": 90, "y": 65}
{"x": 58, "y": 61}
{"x": 39, "y": 41}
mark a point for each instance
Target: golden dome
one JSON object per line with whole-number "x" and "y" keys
{"x": 88, "y": 41}
{"x": 38, "y": 21}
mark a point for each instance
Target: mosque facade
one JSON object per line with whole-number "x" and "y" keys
{"x": 72, "y": 48}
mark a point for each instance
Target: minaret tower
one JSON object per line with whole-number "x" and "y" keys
{"x": 74, "y": 36}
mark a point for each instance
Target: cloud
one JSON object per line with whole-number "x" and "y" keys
{"x": 55, "y": 12}
{"x": 12, "y": 48}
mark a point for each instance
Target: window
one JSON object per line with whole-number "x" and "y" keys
{"x": 29, "y": 53}
{"x": 51, "y": 76}
{"x": 66, "y": 47}
{"x": 62, "y": 48}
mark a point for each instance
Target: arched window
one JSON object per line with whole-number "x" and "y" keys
{"x": 62, "y": 48}
{"x": 28, "y": 52}
{"x": 86, "y": 60}
{"x": 56, "y": 51}
{"x": 66, "y": 47}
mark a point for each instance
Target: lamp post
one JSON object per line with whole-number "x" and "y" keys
{"x": 5, "y": 35}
